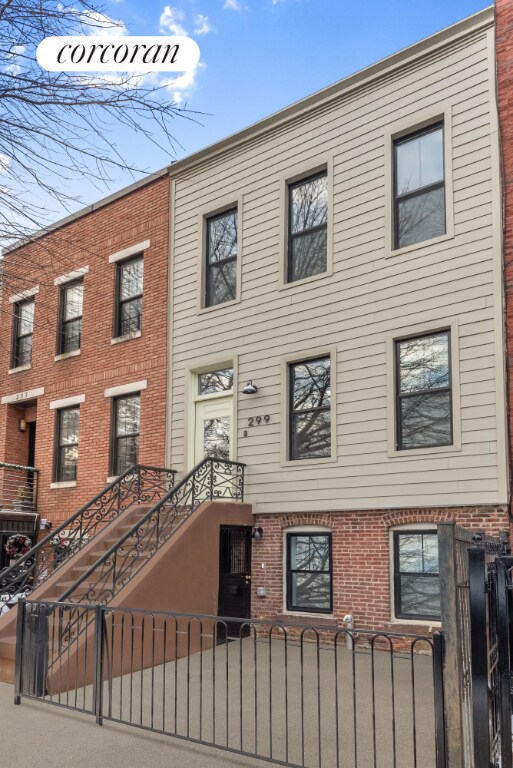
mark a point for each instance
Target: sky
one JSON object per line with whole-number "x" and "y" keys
{"x": 258, "y": 56}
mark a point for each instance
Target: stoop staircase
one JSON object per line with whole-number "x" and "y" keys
{"x": 95, "y": 556}
{"x": 57, "y": 560}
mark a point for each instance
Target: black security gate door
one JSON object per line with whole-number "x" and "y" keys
{"x": 234, "y": 575}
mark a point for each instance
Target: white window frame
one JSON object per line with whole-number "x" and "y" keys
{"x": 309, "y": 354}
{"x": 307, "y": 530}
{"x": 299, "y": 172}
{"x": 394, "y": 529}
{"x": 408, "y": 333}
{"x": 216, "y": 209}
{"x": 401, "y": 129}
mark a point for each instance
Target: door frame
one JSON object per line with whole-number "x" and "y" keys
{"x": 192, "y": 375}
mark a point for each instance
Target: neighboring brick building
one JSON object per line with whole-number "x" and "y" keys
{"x": 77, "y": 343}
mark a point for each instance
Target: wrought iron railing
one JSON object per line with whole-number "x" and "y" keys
{"x": 18, "y": 487}
{"x": 139, "y": 484}
{"x": 212, "y": 479}
{"x": 290, "y": 693}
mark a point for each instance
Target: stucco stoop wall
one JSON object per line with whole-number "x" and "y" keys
{"x": 361, "y": 560}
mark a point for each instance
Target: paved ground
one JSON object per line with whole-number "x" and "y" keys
{"x": 202, "y": 697}
{"x": 36, "y": 734}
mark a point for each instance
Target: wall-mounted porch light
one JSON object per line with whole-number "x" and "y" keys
{"x": 22, "y": 425}
{"x": 257, "y": 533}
{"x": 250, "y": 389}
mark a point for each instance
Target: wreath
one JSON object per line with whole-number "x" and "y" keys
{"x": 17, "y": 546}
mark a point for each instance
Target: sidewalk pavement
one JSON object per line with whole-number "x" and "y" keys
{"x": 37, "y": 734}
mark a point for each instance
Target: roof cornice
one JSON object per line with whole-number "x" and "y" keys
{"x": 38, "y": 234}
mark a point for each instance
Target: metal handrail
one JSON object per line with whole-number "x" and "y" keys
{"x": 33, "y": 568}
{"x": 181, "y": 507}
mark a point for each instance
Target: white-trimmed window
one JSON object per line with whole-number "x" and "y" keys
{"x": 70, "y": 317}
{"x": 416, "y": 580}
{"x": 309, "y": 571}
{"x": 67, "y": 421}
{"x": 424, "y": 391}
{"x": 221, "y": 257}
{"x": 125, "y": 428}
{"x": 23, "y": 331}
{"x": 419, "y": 186}
{"x": 307, "y": 235}
{"x": 129, "y": 293}
{"x": 310, "y": 409}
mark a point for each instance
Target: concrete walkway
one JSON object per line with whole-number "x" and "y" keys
{"x": 36, "y": 734}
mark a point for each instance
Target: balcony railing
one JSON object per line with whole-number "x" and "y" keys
{"x": 18, "y": 487}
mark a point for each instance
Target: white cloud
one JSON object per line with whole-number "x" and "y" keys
{"x": 232, "y": 5}
{"x": 201, "y": 25}
{"x": 182, "y": 86}
{"x": 97, "y": 23}
{"x": 170, "y": 21}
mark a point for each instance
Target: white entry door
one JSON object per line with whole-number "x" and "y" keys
{"x": 213, "y": 428}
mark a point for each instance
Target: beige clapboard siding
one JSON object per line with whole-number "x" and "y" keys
{"x": 367, "y": 297}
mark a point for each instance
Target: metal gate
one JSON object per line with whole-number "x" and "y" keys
{"x": 491, "y": 594}
{"x": 297, "y": 695}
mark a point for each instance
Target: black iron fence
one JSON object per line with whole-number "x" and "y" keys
{"x": 491, "y": 592}
{"x": 296, "y": 695}
{"x": 138, "y": 485}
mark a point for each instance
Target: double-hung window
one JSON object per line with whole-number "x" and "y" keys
{"x": 221, "y": 258}
{"x": 23, "y": 331}
{"x": 307, "y": 227}
{"x": 416, "y": 576}
{"x": 66, "y": 444}
{"x": 309, "y": 572}
{"x": 70, "y": 332}
{"x": 419, "y": 186}
{"x": 310, "y": 409}
{"x": 129, "y": 291}
{"x": 423, "y": 391}
{"x": 125, "y": 432}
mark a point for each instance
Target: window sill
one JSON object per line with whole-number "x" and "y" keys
{"x": 393, "y": 453}
{"x": 126, "y": 337}
{"x": 389, "y": 253}
{"x": 112, "y": 478}
{"x": 65, "y": 355}
{"x": 415, "y": 623}
{"x": 286, "y": 286}
{"x": 20, "y": 368}
{"x": 204, "y": 310}
{"x": 319, "y": 617}
{"x": 64, "y": 484}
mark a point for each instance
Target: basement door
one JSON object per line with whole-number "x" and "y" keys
{"x": 234, "y": 577}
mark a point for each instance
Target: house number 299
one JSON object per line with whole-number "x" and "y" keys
{"x": 256, "y": 420}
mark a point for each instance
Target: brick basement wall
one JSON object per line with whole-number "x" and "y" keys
{"x": 361, "y": 568}
{"x": 89, "y": 241}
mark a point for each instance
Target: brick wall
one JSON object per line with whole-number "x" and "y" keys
{"x": 361, "y": 561}
{"x": 504, "y": 61}
{"x": 88, "y": 241}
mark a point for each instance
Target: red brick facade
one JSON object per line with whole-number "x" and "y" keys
{"x": 361, "y": 559}
{"x": 140, "y": 215}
